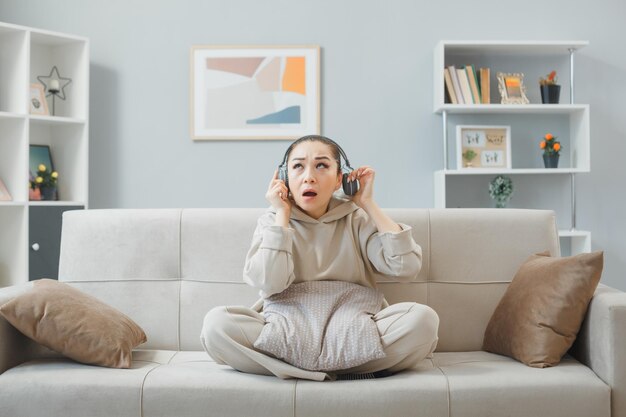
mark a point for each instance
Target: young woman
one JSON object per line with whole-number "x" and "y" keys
{"x": 310, "y": 235}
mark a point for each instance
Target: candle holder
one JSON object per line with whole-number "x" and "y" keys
{"x": 54, "y": 85}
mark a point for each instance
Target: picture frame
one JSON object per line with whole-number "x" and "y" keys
{"x": 4, "y": 192}
{"x": 39, "y": 154}
{"x": 254, "y": 92}
{"x": 491, "y": 146}
{"x": 512, "y": 88}
{"x": 37, "y": 103}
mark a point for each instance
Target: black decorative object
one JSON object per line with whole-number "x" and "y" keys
{"x": 49, "y": 193}
{"x": 54, "y": 85}
{"x": 550, "y": 93}
{"x": 551, "y": 161}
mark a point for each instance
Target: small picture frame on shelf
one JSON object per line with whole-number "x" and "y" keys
{"x": 40, "y": 154}
{"x": 483, "y": 147}
{"x": 38, "y": 103}
{"x": 4, "y": 193}
{"x": 512, "y": 88}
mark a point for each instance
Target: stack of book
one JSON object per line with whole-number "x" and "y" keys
{"x": 465, "y": 86}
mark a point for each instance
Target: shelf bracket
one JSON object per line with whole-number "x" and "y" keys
{"x": 445, "y": 139}
{"x": 571, "y": 100}
{"x": 573, "y": 183}
{"x": 571, "y": 75}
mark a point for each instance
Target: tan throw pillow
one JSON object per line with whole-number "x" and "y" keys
{"x": 541, "y": 312}
{"x": 74, "y": 324}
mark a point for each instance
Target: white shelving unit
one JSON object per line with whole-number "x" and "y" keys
{"x": 26, "y": 53}
{"x": 529, "y": 123}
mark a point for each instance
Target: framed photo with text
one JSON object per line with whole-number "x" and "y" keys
{"x": 483, "y": 147}
{"x": 254, "y": 92}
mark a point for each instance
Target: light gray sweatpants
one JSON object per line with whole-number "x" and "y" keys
{"x": 408, "y": 333}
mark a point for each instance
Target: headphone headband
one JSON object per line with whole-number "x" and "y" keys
{"x": 307, "y": 137}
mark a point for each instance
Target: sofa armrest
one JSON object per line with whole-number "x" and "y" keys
{"x": 15, "y": 348}
{"x": 601, "y": 343}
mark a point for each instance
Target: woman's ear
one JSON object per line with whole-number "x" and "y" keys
{"x": 339, "y": 180}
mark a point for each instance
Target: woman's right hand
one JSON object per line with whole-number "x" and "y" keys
{"x": 278, "y": 195}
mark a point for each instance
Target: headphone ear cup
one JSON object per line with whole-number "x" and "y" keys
{"x": 282, "y": 175}
{"x": 349, "y": 187}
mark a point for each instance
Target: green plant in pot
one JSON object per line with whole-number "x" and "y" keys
{"x": 501, "y": 190}
{"x": 468, "y": 156}
{"x": 551, "y": 150}
{"x": 550, "y": 90}
{"x": 46, "y": 182}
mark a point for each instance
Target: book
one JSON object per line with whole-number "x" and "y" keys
{"x": 465, "y": 87}
{"x": 485, "y": 85}
{"x": 473, "y": 82}
{"x": 455, "y": 83}
{"x": 449, "y": 86}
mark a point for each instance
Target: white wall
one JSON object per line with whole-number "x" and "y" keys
{"x": 376, "y": 94}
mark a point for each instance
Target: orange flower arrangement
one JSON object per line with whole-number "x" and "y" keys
{"x": 549, "y": 80}
{"x": 550, "y": 145}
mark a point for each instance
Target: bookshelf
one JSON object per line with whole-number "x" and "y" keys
{"x": 26, "y": 53}
{"x": 454, "y": 187}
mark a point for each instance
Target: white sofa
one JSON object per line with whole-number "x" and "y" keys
{"x": 165, "y": 268}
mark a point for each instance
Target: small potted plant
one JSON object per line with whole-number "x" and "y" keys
{"x": 501, "y": 190}
{"x": 468, "y": 156}
{"x": 550, "y": 90}
{"x": 45, "y": 182}
{"x": 551, "y": 150}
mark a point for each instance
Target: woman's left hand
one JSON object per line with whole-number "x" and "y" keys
{"x": 365, "y": 195}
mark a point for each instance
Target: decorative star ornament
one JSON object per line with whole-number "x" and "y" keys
{"x": 63, "y": 82}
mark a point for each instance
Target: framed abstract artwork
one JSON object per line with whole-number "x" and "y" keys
{"x": 254, "y": 92}
{"x": 483, "y": 147}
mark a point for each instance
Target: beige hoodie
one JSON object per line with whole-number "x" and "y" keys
{"x": 342, "y": 245}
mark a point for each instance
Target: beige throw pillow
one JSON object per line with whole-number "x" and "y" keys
{"x": 541, "y": 312}
{"x": 74, "y": 324}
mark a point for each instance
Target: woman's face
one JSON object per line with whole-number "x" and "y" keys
{"x": 313, "y": 177}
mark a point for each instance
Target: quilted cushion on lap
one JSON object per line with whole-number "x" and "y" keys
{"x": 322, "y": 325}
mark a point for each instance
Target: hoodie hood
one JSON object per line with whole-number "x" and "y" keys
{"x": 338, "y": 208}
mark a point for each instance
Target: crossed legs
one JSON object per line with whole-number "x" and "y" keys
{"x": 408, "y": 334}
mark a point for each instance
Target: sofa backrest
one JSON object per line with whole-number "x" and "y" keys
{"x": 165, "y": 268}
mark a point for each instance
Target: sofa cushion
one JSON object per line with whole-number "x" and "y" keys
{"x": 419, "y": 392}
{"x": 192, "y": 384}
{"x": 197, "y": 257}
{"x": 466, "y": 281}
{"x": 168, "y": 383}
{"x": 64, "y": 388}
{"x": 485, "y": 384}
{"x": 539, "y": 316}
{"x": 74, "y": 324}
{"x": 151, "y": 303}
